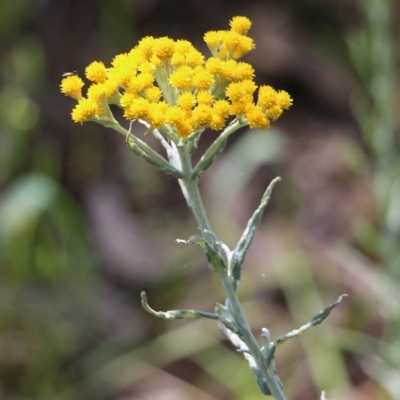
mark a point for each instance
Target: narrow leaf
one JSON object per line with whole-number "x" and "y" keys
{"x": 175, "y": 314}
{"x": 244, "y": 243}
{"x": 317, "y": 319}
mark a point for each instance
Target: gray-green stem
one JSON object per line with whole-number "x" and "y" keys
{"x": 192, "y": 195}
{"x": 191, "y": 192}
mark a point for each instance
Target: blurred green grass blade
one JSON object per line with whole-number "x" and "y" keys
{"x": 24, "y": 201}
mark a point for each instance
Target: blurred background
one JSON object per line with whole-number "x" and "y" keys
{"x": 85, "y": 225}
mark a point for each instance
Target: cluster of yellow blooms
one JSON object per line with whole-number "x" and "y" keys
{"x": 170, "y": 85}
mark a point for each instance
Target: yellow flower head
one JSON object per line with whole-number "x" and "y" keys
{"x": 110, "y": 87}
{"x": 220, "y": 112}
{"x": 137, "y": 109}
{"x": 72, "y": 86}
{"x": 127, "y": 99}
{"x": 138, "y": 83}
{"x": 256, "y": 118}
{"x": 96, "y": 72}
{"x": 267, "y": 97}
{"x": 99, "y": 91}
{"x": 240, "y": 25}
{"x": 194, "y": 58}
{"x": 229, "y": 70}
{"x": 274, "y": 112}
{"x": 146, "y": 46}
{"x": 236, "y": 91}
{"x": 217, "y": 123}
{"x": 153, "y": 94}
{"x": 183, "y": 47}
{"x": 204, "y": 97}
{"x": 284, "y": 100}
{"x": 214, "y": 39}
{"x": 96, "y": 92}
{"x": 156, "y": 114}
{"x": 222, "y": 108}
{"x": 202, "y": 79}
{"x": 177, "y": 118}
{"x": 164, "y": 48}
{"x": 182, "y": 78}
{"x": 85, "y": 110}
{"x": 272, "y": 102}
{"x": 243, "y": 71}
{"x": 202, "y": 115}
{"x": 215, "y": 66}
{"x": 186, "y": 100}
{"x": 237, "y": 45}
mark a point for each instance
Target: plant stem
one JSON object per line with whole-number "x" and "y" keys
{"x": 192, "y": 195}
{"x": 191, "y": 192}
{"x": 248, "y": 337}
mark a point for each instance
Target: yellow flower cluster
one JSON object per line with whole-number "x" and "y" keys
{"x": 170, "y": 85}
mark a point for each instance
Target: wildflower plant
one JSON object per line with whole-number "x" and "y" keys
{"x": 176, "y": 93}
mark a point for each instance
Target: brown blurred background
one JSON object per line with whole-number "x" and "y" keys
{"x": 85, "y": 225}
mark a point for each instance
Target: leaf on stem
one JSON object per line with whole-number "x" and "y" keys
{"x": 215, "y": 261}
{"x": 141, "y": 149}
{"x": 216, "y": 148}
{"x": 243, "y": 245}
{"x": 157, "y": 162}
{"x": 315, "y": 320}
{"x": 175, "y": 314}
{"x": 207, "y": 159}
